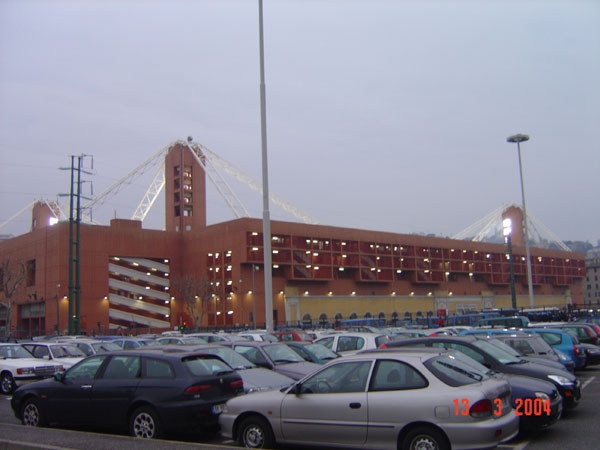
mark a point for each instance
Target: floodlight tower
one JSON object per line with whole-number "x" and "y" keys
{"x": 518, "y": 138}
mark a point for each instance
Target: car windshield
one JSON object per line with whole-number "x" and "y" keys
{"x": 505, "y": 357}
{"x": 454, "y": 370}
{"x": 320, "y": 351}
{"x": 13, "y": 352}
{"x": 100, "y": 347}
{"x": 193, "y": 340}
{"x": 281, "y": 354}
{"x": 66, "y": 351}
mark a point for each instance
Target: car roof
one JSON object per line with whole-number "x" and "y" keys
{"x": 354, "y": 333}
{"x": 159, "y": 351}
{"x": 52, "y": 343}
{"x": 467, "y": 338}
{"x": 129, "y": 338}
{"x": 400, "y": 353}
{"x": 548, "y": 329}
{"x": 251, "y": 343}
{"x": 572, "y": 324}
{"x": 406, "y": 350}
{"x": 517, "y": 336}
{"x": 79, "y": 341}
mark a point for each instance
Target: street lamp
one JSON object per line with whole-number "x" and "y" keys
{"x": 266, "y": 220}
{"x": 518, "y": 138}
{"x": 507, "y": 231}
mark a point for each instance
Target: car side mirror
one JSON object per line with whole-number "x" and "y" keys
{"x": 59, "y": 377}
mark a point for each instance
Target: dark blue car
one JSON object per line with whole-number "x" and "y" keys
{"x": 149, "y": 392}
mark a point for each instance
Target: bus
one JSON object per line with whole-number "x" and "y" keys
{"x": 374, "y": 322}
{"x": 468, "y": 319}
{"x": 455, "y": 319}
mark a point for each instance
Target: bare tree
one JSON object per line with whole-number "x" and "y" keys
{"x": 11, "y": 277}
{"x": 195, "y": 291}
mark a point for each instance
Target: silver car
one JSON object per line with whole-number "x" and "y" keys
{"x": 62, "y": 353}
{"x": 407, "y": 400}
{"x": 348, "y": 343}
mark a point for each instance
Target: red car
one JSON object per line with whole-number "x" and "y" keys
{"x": 285, "y": 336}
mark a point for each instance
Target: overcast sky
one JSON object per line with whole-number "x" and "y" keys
{"x": 386, "y": 115}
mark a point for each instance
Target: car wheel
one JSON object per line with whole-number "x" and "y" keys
{"x": 424, "y": 438}
{"x": 144, "y": 423}
{"x": 31, "y": 414}
{"x": 255, "y": 432}
{"x": 7, "y": 383}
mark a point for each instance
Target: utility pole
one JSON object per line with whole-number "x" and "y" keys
{"x": 74, "y": 323}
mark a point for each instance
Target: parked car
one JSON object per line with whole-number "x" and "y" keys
{"x": 148, "y": 392}
{"x": 555, "y": 365}
{"x": 64, "y": 353}
{"x": 512, "y": 338}
{"x": 349, "y": 343}
{"x": 216, "y": 337}
{"x": 562, "y": 340}
{"x": 488, "y": 331}
{"x": 386, "y": 400}
{"x": 533, "y": 345}
{"x": 275, "y": 356}
{"x": 503, "y": 322}
{"x": 316, "y": 334}
{"x": 287, "y": 336}
{"x": 130, "y": 343}
{"x": 180, "y": 340}
{"x": 255, "y": 378}
{"x": 313, "y": 352}
{"x": 410, "y": 333}
{"x": 592, "y": 354}
{"x": 492, "y": 357}
{"x": 259, "y": 336}
{"x": 525, "y": 392}
{"x": 589, "y": 319}
{"x": 93, "y": 346}
{"x": 18, "y": 367}
{"x": 585, "y": 332}
{"x": 455, "y": 330}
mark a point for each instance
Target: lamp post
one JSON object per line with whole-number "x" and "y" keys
{"x": 507, "y": 231}
{"x": 518, "y": 138}
{"x": 266, "y": 220}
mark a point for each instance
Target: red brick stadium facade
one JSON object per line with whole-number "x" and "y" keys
{"x": 130, "y": 277}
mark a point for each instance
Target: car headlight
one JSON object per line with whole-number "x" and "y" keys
{"x": 563, "y": 381}
{"x": 25, "y": 371}
{"x": 542, "y": 396}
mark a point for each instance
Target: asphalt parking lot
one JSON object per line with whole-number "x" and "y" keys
{"x": 577, "y": 429}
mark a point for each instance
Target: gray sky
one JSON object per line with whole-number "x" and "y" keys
{"x": 387, "y": 115}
